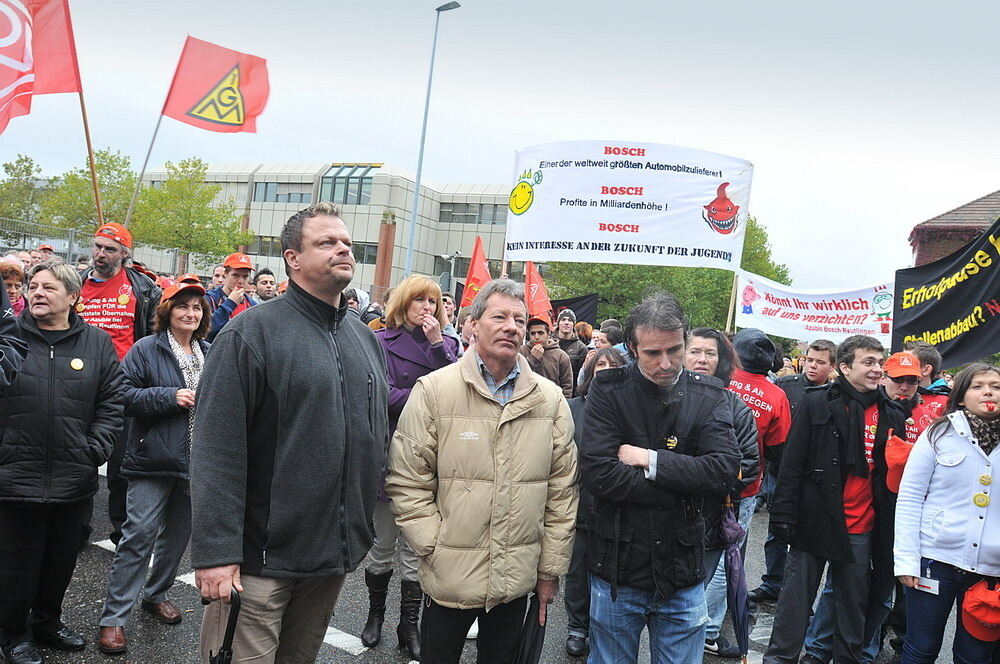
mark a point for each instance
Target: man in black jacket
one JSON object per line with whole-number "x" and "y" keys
{"x": 819, "y": 359}
{"x": 122, "y": 301}
{"x": 59, "y": 418}
{"x": 657, "y": 439}
{"x": 831, "y": 503}
{"x": 287, "y": 453}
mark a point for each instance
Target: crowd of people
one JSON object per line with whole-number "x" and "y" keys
{"x": 288, "y": 432}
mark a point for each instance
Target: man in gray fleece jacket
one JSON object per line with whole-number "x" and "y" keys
{"x": 290, "y": 438}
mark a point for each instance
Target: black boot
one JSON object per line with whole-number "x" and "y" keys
{"x": 409, "y": 614}
{"x": 378, "y": 588}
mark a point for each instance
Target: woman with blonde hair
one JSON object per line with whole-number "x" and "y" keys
{"x": 414, "y": 346}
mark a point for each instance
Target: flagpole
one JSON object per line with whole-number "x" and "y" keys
{"x": 731, "y": 314}
{"x": 90, "y": 156}
{"x": 138, "y": 182}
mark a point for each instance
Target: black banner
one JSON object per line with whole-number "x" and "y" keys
{"x": 952, "y": 303}
{"x": 585, "y": 307}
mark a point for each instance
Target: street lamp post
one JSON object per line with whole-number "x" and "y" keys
{"x": 408, "y": 268}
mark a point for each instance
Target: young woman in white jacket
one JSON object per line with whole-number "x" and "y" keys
{"x": 947, "y": 518}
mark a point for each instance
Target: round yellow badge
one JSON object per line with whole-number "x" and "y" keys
{"x": 76, "y": 363}
{"x": 985, "y": 480}
{"x": 123, "y": 299}
{"x": 80, "y": 308}
{"x": 981, "y": 500}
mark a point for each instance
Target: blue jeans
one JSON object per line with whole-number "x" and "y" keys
{"x": 676, "y": 625}
{"x": 715, "y": 591}
{"x": 927, "y": 615}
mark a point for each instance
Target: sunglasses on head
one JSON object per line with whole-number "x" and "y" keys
{"x": 909, "y": 380}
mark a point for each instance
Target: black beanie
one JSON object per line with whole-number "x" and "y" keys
{"x": 757, "y": 353}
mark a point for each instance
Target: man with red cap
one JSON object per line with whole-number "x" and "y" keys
{"x": 231, "y": 298}
{"x": 546, "y": 357}
{"x": 47, "y": 252}
{"x": 122, "y": 301}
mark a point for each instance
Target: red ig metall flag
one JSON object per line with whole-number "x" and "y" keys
{"x": 478, "y": 276}
{"x": 536, "y": 293}
{"x": 217, "y": 89}
{"x": 37, "y": 54}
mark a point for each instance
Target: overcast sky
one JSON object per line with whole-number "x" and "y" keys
{"x": 862, "y": 118}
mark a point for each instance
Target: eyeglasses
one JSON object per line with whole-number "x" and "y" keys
{"x": 909, "y": 380}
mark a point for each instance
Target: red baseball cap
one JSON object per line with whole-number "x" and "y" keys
{"x": 902, "y": 364}
{"x": 238, "y": 262}
{"x": 115, "y": 231}
{"x": 172, "y": 291}
{"x": 45, "y": 246}
{"x": 535, "y": 320}
{"x": 981, "y": 611}
{"x": 189, "y": 278}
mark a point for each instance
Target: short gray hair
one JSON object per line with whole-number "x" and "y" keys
{"x": 506, "y": 287}
{"x": 64, "y": 272}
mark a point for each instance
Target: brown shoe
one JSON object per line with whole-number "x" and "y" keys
{"x": 112, "y": 641}
{"x": 165, "y": 612}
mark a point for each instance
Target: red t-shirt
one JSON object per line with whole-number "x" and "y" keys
{"x": 771, "y": 412}
{"x": 110, "y": 305}
{"x": 934, "y": 404}
{"x": 859, "y": 510}
{"x": 241, "y": 307}
{"x": 919, "y": 420}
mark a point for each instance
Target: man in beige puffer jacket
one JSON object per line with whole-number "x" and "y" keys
{"x": 483, "y": 482}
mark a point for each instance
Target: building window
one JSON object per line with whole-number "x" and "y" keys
{"x": 365, "y": 252}
{"x": 348, "y": 184}
{"x": 473, "y": 213}
{"x": 265, "y": 245}
{"x": 278, "y": 192}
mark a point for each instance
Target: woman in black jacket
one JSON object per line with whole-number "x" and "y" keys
{"x": 161, "y": 379}
{"x": 59, "y": 419}
{"x": 577, "y": 595}
{"x": 710, "y": 353}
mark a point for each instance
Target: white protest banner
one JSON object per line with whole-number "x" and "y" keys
{"x": 621, "y": 202}
{"x": 808, "y": 315}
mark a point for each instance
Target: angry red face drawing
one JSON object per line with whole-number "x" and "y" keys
{"x": 721, "y": 213}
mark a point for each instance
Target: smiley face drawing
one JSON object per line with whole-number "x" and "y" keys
{"x": 521, "y": 197}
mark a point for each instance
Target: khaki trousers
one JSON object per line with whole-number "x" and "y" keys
{"x": 282, "y": 621}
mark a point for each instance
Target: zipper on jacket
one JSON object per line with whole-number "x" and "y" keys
{"x": 51, "y": 419}
{"x": 345, "y": 550}
{"x": 371, "y": 403}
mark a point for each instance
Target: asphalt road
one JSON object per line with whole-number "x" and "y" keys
{"x": 153, "y": 643}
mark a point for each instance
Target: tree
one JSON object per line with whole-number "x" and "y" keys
{"x": 182, "y": 213}
{"x": 20, "y": 193}
{"x": 703, "y": 292}
{"x": 71, "y": 203}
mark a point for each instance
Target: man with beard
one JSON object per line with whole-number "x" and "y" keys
{"x": 121, "y": 301}
{"x": 267, "y": 286}
{"x": 287, "y": 452}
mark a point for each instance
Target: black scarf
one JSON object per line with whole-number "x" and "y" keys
{"x": 987, "y": 432}
{"x": 853, "y": 454}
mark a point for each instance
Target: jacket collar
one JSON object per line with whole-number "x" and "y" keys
{"x": 412, "y": 346}
{"x": 961, "y": 425}
{"x": 28, "y": 323}
{"x": 164, "y": 343}
{"x": 667, "y": 395}
{"x": 315, "y": 308}
{"x": 527, "y": 381}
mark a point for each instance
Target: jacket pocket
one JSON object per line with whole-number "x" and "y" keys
{"x": 610, "y": 543}
{"x": 950, "y": 459}
{"x": 690, "y": 556}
